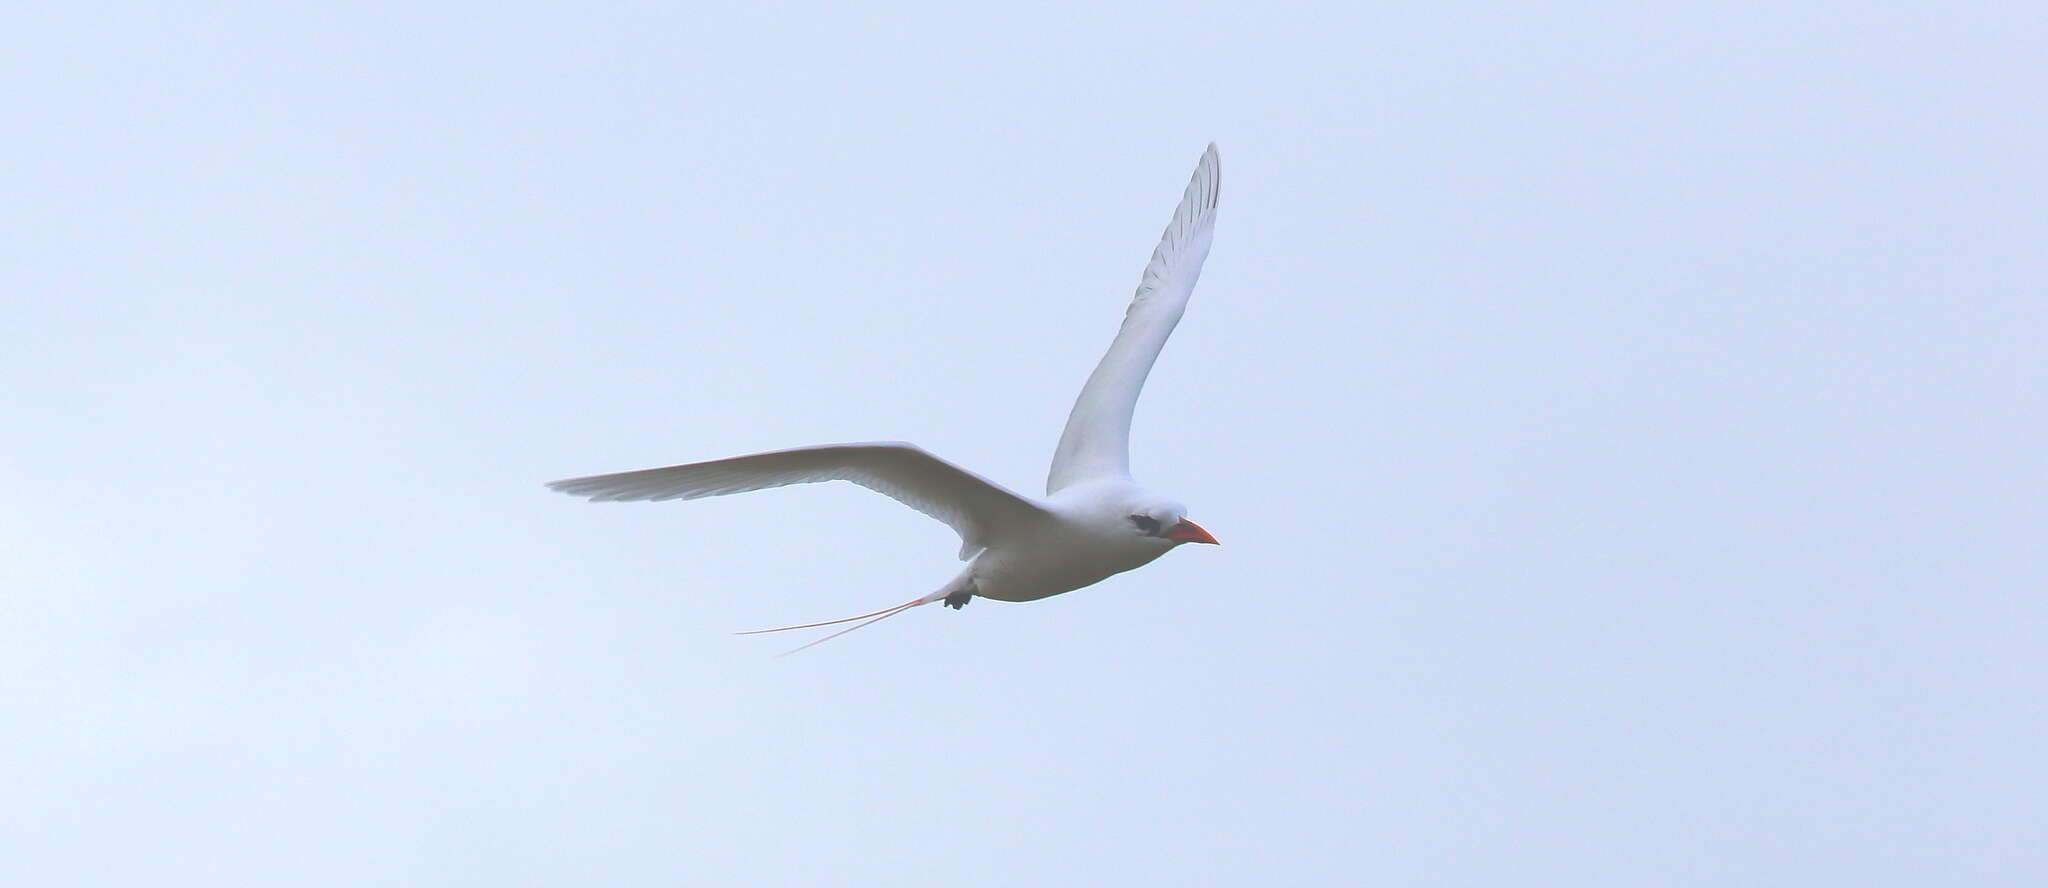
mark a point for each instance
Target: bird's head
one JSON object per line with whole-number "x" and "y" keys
{"x": 1165, "y": 521}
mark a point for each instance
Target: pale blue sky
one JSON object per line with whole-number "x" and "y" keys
{"x": 1623, "y": 423}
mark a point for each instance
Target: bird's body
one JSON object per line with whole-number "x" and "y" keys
{"x": 1084, "y": 541}
{"x": 1095, "y": 520}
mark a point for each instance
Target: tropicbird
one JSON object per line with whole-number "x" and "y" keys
{"x": 1095, "y": 521}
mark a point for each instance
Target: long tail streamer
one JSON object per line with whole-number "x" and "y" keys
{"x": 870, "y": 618}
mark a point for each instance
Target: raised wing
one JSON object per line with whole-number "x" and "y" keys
{"x": 1097, "y": 442}
{"x": 979, "y": 509}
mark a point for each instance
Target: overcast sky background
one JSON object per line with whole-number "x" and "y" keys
{"x": 1623, "y": 423}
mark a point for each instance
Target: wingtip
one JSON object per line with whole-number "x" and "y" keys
{"x": 1207, "y": 178}
{"x": 572, "y": 487}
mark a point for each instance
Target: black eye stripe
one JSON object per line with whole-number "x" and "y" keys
{"x": 1145, "y": 523}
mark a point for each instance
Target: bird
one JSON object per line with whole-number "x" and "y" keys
{"x": 1095, "y": 520}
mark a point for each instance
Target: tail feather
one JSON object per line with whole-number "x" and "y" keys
{"x": 883, "y": 612}
{"x": 885, "y": 615}
{"x": 868, "y": 619}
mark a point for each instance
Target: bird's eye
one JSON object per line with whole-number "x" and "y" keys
{"x": 1146, "y": 524}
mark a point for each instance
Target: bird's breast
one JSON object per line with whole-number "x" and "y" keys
{"x": 1039, "y": 568}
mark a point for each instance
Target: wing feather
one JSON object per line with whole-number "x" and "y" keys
{"x": 978, "y": 509}
{"x": 1097, "y": 440}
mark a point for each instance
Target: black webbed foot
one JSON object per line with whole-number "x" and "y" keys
{"x": 958, "y": 600}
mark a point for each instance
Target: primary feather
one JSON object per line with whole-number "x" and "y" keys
{"x": 1097, "y": 440}
{"x": 973, "y": 506}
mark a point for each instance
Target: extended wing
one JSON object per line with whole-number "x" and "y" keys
{"x": 1097, "y": 441}
{"x": 979, "y": 509}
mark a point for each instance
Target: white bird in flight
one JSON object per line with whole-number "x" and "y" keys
{"x": 1094, "y": 521}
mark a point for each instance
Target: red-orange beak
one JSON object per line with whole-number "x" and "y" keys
{"x": 1189, "y": 532}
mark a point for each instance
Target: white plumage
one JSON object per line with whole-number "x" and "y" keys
{"x": 1097, "y": 440}
{"x": 976, "y": 508}
{"x": 1095, "y": 520}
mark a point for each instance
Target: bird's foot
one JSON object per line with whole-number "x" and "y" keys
{"x": 958, "y": 600}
